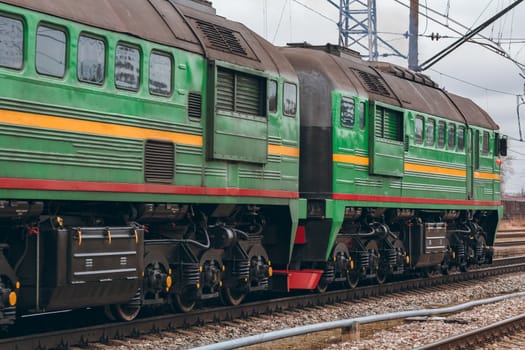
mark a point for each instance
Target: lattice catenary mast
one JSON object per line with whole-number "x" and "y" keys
{"x": 358, "y": 28}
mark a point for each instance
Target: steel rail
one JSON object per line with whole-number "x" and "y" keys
{"x": 480, "y": 336}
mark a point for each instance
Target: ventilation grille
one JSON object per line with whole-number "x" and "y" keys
{"x": 194, "y": 105}
{"x": 225, "y": 89}
{"x": 239, "y": 92}
{"x": 373, "y": 83}
{"x": 222, "y": 38}
{"x": 389, "y": 124}
{"x": 159, "y": 161}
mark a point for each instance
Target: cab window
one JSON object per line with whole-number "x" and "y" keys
{"x": 290, "y": 99}
{"x": 50, "y": 51}
{"x": 272, "y": 96}
{"x": 127, "y": 67}
{"x": 160, "y": 74}
{"x": 431, "y": 125}
{"x": 419, "y": 130}
{"x": 451, "y": 138}
{"x": 461, "y": 138}
{"x": 362, "y": 115}
{"x": 347, "y": 112}
{"x": 91, "y": 66}
{"x": 441, "y": 134}
{"x": 486, "y": 139}
{"x": 11, "y": 42}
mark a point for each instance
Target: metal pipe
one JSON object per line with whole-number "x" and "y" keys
{"x": 293, "y": 332}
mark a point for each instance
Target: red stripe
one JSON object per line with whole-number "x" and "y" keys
{"x": 61, "y": 185}
{"x": 394, "y": 199}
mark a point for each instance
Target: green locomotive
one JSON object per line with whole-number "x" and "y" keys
{"x": 411, "y": 177}
{"x": 154, "y": 153}
{"x": 150, "y": 155}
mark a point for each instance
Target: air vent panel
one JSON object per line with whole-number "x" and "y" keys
{"x": 159, "y": 161}
{"x": 194, "y": 105}
{"x": 373, "y": 83}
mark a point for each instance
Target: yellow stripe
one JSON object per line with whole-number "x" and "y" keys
{"x": 486, "y": 176}
{"x": 434, "y": 170}
{"x": 283, "y": 150}
{"x": 83, "y": 126}
{"x": 345, "y": 158}
{"x": 357, "y": 160}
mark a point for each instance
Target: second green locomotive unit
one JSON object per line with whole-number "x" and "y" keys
{"x": 153, "y": 153}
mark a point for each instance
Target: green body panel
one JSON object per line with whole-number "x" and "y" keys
{"x": 415, "y": 171}
{"x": 61, "y": 150}
{"x": 235, "y": 138}
{"x": 232, "y": 135}
{"x": 405, "y": 168}
{"x": 386, "y": 156}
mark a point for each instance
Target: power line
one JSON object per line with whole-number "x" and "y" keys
{"x": 315, "y": 11}
{"x": 493, "y": 46}
{"x": 473, "y": 84}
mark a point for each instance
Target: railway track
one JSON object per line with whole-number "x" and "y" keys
{"x": 509, "y": 242}
{"x": 507, "y": 334}
{"x": 510, "y": 237}
{"x": 104, "y": 332}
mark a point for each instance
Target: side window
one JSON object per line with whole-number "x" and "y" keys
{"x": 127, "y": 67}
{"x": 362, "y": 115}
{"x": 451, "y": 136}
{"x": 50, "y": 51}
{"x": 160, "y": 74}
{"x": 91, "y": 65}
{"x": 11, "y": 43}
{"x": 441, "y": 134}
{"x": 347, "y": 112}
{"x": 419, "y": 130}
{"x": 431, "y": 126}
{"x": 272, "y": 96}
{"x": 290, "y": 99}
{"x": 486, "y": 139}
{"x": 461, "y": 138}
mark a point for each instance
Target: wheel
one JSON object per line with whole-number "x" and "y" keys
{"x": 182, "y": 303}
{"x": 445, "y": 269}
{"x": 381, "y": 275}
{"x": 428, "y": 272}
{"x": 129, "y": 311}
{"x": 463, "y": 267}
{"x": 375, "y": 261}
{"x": 344, "y": 266}
{"x": 481, "y": 247}
{"x": 260, "y": 267}
{"x": 108, "y": 314}
{"x": 352, "y": 279}
{"x": 231, "y": 296}
{"x": 322, "y": 286}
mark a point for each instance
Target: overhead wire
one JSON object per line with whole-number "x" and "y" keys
{"x": 280, "y": 21}
{"x": 473, "y": 84}
{"x": 315, "y": 11}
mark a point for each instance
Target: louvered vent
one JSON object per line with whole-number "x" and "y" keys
{"x": 249, "y": 95}
{"x": 389, "y": 124}
{"x": 222, "y": 38}
{"x": 225, "y": 89}
{"x": 373, "y": 83}
{"x": 159, "y": 161}
{"x": 194, "y": 105}
{"x": 239, "y": 92}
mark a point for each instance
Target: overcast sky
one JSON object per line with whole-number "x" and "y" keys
{"x": 314, "y": 21}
